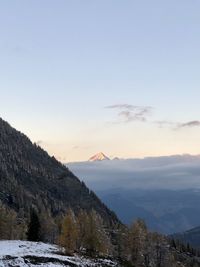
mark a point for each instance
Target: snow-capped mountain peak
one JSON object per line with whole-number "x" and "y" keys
{"x": 99, "y": 157}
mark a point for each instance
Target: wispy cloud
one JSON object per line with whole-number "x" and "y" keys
{"x": 177, "y": 125}
{"x": 122, "y": 106}
{"x": 129, "y": 113}
{"x": 189, "y": 124}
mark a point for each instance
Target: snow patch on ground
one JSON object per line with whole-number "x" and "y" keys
{"x": 33, "y": 254}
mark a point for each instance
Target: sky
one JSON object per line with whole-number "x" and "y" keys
{"x": 122, "y": 77}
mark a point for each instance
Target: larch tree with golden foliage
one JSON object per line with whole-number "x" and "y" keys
{"x": 69, "y": 233}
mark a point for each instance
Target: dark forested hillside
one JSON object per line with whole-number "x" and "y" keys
{"x": 29, "y": 177}
{"x": 191, "y": 237}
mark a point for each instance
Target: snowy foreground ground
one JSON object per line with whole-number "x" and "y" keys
{"x": 30, "y": 254}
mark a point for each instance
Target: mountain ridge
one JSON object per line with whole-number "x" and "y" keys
{"x": 29, "y": 177}
{"x": 99, "y": 157}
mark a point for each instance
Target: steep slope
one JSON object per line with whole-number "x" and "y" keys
{"x": 30, "y": 177}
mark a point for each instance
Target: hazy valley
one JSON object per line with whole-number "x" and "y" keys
{"x": 164, "y": 191}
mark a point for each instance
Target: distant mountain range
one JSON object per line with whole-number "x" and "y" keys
{"x": 162, "y": 190}
{"x": 101, "y": 157}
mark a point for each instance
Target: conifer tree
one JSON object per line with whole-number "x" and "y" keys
{"x": 69, "y": 233}
{"x": 33, "y": 233}
{"x": 82, "y": 223}
{"x": 9, "y": 226}
{"x": 96, "y": 240}
{"x": 137, "y": 238}
{"x": 2, "y": 222}
{"x": 49, "y": 229}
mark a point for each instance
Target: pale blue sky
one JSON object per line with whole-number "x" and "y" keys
{"x": 62, "y": 62}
